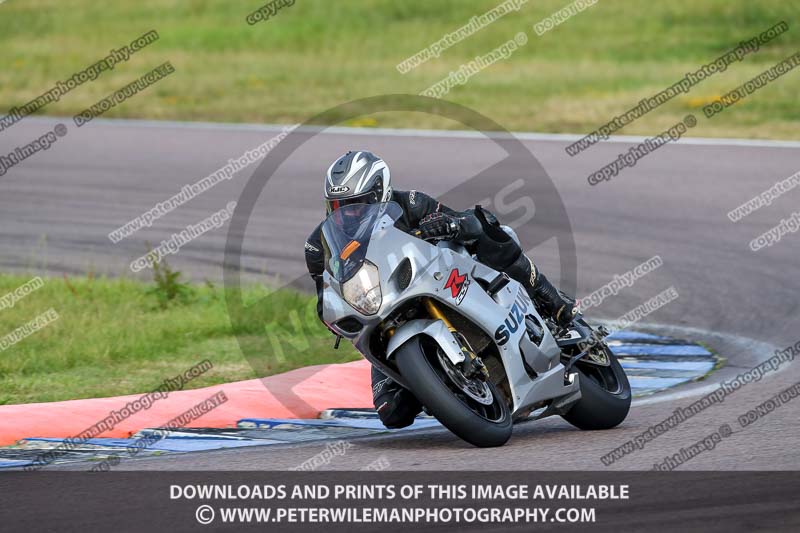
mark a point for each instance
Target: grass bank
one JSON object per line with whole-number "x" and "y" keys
{"x": 120, "y": 336}
{"x": 316, "y": 54}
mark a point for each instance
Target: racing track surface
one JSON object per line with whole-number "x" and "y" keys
{"x": 57, "y": 208}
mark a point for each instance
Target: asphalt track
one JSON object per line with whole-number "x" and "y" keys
{"x": 57, "y": 208}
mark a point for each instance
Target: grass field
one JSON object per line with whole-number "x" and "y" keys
{"x": 113, "y": 337}
{"x": 316, "y": 54}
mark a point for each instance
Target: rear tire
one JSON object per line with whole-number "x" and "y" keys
{"x": 436, "y": 392}
{"x": 598, "y": 407}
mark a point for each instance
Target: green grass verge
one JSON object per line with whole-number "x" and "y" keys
{"x": 113, "y": 337}
{"x": 318, "y": 53}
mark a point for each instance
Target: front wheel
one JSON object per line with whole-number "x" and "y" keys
{"x": 605, "y": 394}
{"x": 472, "y": 409}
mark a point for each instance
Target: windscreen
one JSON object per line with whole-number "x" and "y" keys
{"x": 346, "y": 234}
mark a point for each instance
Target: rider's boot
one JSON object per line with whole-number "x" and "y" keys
{"x": 540, "y": 289}
{"x": 397, "y": 407}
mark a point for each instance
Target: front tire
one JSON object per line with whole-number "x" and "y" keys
{"x": 419, "y": 364}
{"x": 605, "y": 395}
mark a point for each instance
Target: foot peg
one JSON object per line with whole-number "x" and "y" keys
{"x": 497, "y": 284}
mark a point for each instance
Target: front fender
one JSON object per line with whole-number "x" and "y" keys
{"x": 435, "y": 329}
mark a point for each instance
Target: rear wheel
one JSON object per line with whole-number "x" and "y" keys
{"x": 472, "y": 409}
{"x": 605, "y": 393}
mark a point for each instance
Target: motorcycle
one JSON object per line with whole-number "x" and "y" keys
{"x": 465, "y": 339}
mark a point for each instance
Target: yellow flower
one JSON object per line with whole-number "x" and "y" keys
{"x": 700, "y": 101}
{"x": 362, "y": 122}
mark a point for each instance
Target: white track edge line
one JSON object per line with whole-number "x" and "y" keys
{"x": 410, "y": 132}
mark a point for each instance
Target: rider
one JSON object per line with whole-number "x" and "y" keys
{"x": 362, "y": 177}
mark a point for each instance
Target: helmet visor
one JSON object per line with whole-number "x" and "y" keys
{"x": 332, "y": 205}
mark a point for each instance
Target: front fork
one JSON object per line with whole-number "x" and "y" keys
{"x": 473, "y": 366}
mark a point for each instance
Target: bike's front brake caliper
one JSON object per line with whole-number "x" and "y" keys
{"x": 473, "y": 366}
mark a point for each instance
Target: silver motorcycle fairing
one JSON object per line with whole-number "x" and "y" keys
{"x": 435, "y": 329}
{"x": 432, "y": 266}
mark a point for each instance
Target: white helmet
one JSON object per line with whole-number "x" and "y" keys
{"x": 357, "y": 178}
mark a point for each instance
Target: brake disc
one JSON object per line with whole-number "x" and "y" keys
{"x": 474, "y": 388}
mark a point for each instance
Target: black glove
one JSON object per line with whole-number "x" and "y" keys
{"x": 439, "y": 226}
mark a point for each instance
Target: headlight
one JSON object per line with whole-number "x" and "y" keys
{"x": 363, "y": 291}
